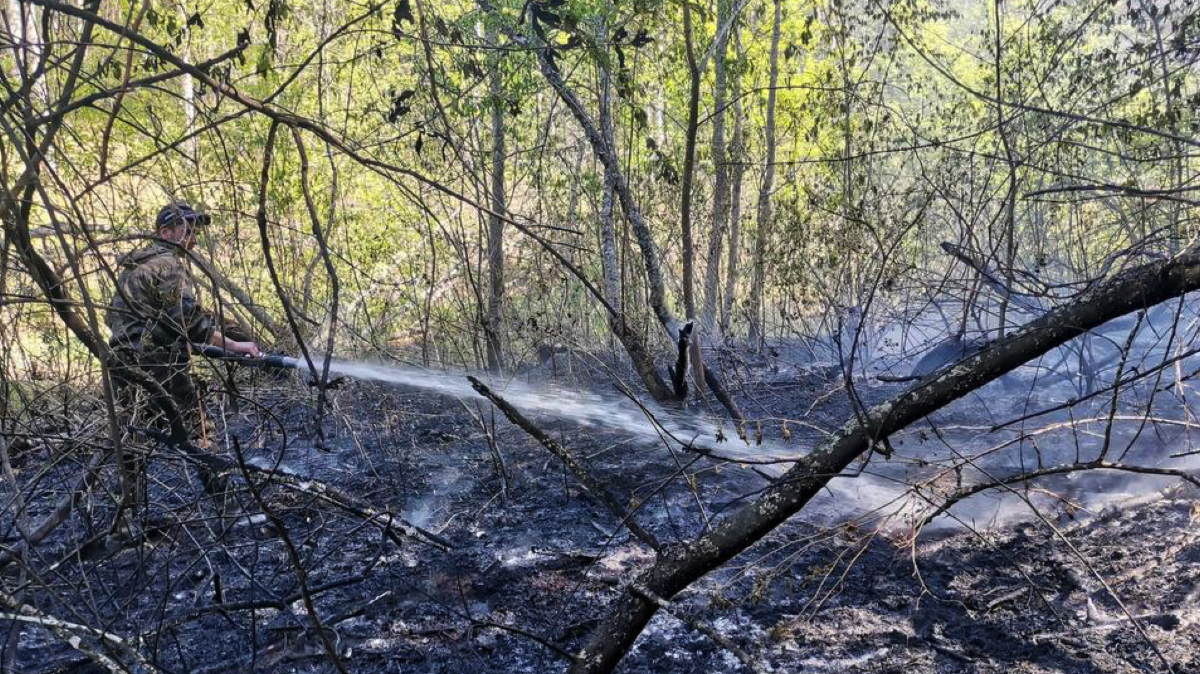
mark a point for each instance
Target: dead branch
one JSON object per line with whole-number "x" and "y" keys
{"x": 574, "y": 464}
{"x": 1119, "y": 384}
{"x": 310, "y": 607}
{"x": 69, "y": 633}
{"x": 985, "y": 272}
{"x": 385, "y": 520}
{"x": 1030, "y": 476}
{"x": 542, "y": 641}
{"x": 60, "y": 513}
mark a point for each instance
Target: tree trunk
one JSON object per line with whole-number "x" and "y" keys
{"x": 639, "y": 355}
{"x": 1129, "y": 291}
{"x": 655, "y": 287}
{"x": 1010, "y": 199}
{"x": 608, "y": 240}
{"x": 695, "y": 74}
{"x": 608, "y": 157}
{"x": 720, "y": 210}
{"x": 737, "y": 151}
{"x": 757, "y": 334}
{"x": 689, "y": 165}
{"x": 189, "y": 94}
{"x": 493, "y": 328}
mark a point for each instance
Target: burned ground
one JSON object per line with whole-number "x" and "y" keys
{"x": 532, "y": 558}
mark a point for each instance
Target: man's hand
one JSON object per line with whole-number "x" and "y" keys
{"x": 248, "y": 349}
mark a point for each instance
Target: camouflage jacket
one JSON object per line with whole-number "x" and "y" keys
{"x": 155, "y": 304}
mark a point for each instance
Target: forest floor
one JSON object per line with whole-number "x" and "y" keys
{"x": 533, "y": 558}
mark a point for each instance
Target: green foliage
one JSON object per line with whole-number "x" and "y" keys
{"x": 880, "y": 107}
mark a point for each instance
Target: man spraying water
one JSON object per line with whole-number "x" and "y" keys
{"x": 154, "y": 314}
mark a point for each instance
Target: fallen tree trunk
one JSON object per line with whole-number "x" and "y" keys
{"x": 1131, "y": 290}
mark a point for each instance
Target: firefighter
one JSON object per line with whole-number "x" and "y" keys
{"x": 154, "y": 316}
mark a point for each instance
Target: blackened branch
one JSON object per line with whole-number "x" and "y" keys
{"x": 573, "y": 463}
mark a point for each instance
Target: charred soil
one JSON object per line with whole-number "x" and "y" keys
{"x": 197, "y": 586}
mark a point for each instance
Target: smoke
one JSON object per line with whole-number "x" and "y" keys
{"x": 972, "y": 442}
{"x": 1051, "y": 412}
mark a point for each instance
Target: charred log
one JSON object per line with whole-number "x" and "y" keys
{"x": 946, "y": 353}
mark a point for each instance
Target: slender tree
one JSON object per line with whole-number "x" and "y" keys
{"x": 737, "y": 151}
{"x": 721, "y": 183}
{"x": 494, "y": 319}
{"x": 757, "y": 318}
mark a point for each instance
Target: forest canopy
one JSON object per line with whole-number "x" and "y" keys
{"x": 1046, "y": 136}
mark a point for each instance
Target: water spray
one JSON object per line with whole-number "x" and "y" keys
{"x": 646, "y": 424}
{"x": 606, "y": 412}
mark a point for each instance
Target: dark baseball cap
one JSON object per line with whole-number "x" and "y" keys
{"x": 178, "y": 212}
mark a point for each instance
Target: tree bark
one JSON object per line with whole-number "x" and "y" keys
{"x": 1010, "y": 200}
{"x": 695, "y": 74}
{"x": 720, "y": 205}
{"x": 494, "y": 321}
{"x": 645, "y": 240}
{"x": 757, "y": 333}
{"x": 1129, "y": 291}
{"x": 608, "y": 158}
{"x": 639, "y": 354}
{"x": 689, "y": 165}
{"x": 737, "y": 157}
{"x": 608, "y": 239}
{"x": 189, "y": 90}
{"x": 576, "y": 465}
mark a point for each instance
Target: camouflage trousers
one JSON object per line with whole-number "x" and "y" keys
{"x": 169, "y": 368}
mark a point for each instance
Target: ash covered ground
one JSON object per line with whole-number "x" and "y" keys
{"x": 1104, "y": 577}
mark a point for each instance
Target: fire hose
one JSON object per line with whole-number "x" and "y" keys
{"x": 264, "y": 360}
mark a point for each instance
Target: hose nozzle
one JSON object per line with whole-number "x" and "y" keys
{"x": 265, "y": 360}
